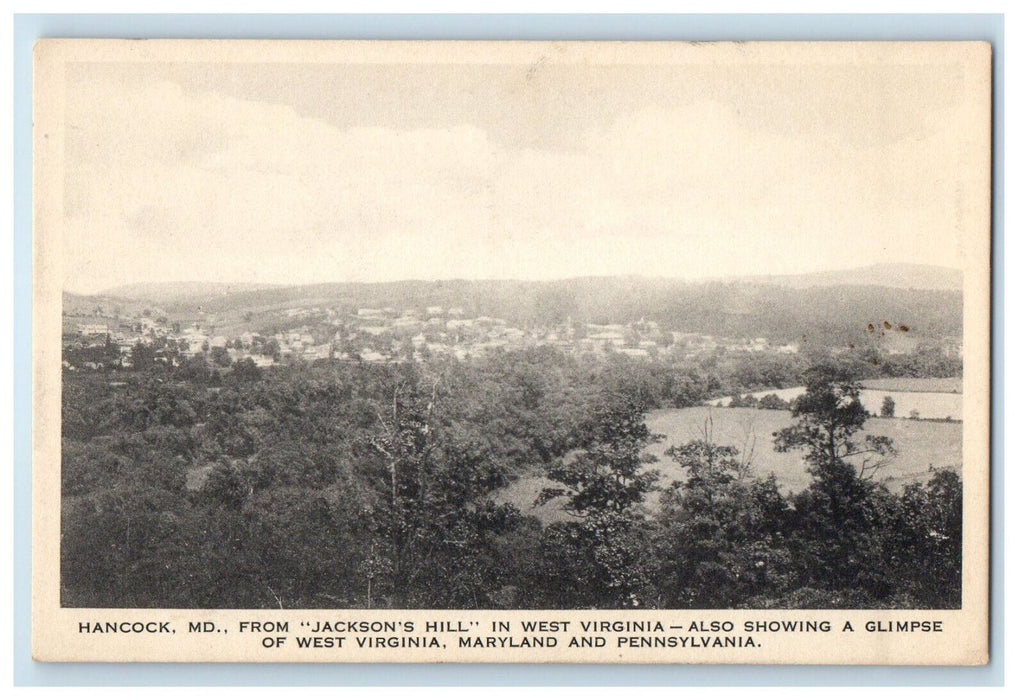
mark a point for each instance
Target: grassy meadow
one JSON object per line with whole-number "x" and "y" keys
{"x": 920, "y": 444}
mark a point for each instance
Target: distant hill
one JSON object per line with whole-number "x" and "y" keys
{"x": 897, "y": 275}
{"x": 166, "y": 292}
{"x": 828, "y": 308}
{"x": 100, "y": 305}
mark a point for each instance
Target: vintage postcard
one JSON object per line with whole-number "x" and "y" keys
{"x": 511, "y": 352}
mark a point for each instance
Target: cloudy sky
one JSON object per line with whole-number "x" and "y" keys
{"x": 550, "y": 168}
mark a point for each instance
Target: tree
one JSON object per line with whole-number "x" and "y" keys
{"x": 119, "y": 548}
{"x": 433, "y": 519}
{"x": 930, "y": 540}
{"x": 143, "y": 356}
{"x": 245, "y": 370}
{"x": 722, "y": 530}
{"x": 772, "y": 402}
{"x": 843, "y": 514}
{"x": 829, "y": 416}
{"x": 272, "y": 349}
{"x": 194, "y": 369}
{"x": 603, "y": 487}
{"x": 406, "y": 441}
{"x": 889, "y": 406}
{"x": 607, "y": 476}
{"x": 738, "y": 401}
{"x": 220, "y": 357}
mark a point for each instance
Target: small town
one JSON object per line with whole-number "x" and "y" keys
{"x": 387, "y": 335}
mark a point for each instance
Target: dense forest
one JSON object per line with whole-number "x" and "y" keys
{"x": 351, "y": 485}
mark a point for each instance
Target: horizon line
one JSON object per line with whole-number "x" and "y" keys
{"x": 112, "y": 291}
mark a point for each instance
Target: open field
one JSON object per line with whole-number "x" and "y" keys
{"x": 916, "y": 403}
{"x": 934, "y": 405}
{"x": 943, "y": 385}
{"x": 920, "y": 444}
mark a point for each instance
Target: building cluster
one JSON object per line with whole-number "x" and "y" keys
{"x": 169, "y": 343}
{"x": 380, "y": 335}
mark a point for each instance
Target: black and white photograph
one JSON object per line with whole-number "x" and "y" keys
{"x": 620, "y": 330}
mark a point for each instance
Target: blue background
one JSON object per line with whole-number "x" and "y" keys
{"x": 28, "y": 28}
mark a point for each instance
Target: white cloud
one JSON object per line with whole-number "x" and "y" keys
{"x": 165, "y": 184}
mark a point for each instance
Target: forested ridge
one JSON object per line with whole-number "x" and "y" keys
{"x": 829, "y": 315}
{"x": 356, "y": 485}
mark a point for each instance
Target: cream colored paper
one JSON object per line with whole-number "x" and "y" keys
{"x": 910, "y": 115}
